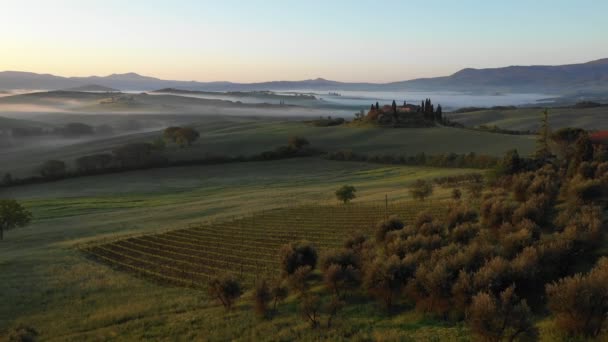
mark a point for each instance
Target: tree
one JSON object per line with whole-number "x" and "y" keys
{"x": 52, "y": 169}
{"x": 293, "y": 256}
{"x": 580, "y": 302}
{"x": 439, "y": 114}
{"x": 384, "y": 227}
{"x": 93, "y": 162}
{"x": 346, "y": 193}
{"x": 279, "y": 293}
{"x": 7, "y": 179}
{"x": 133, "y": 154}
{"x": 506, "y": 317}
{"x": 542, "y": 149}
{"x": 339, "y": 278}
{"x": 170, "y": 133}
{"x": 261, "y": 298}
{"x": 384, "y": 279}
{"x": 12, "y": 215}
{"x": 226, "y": 289}
{"x": 421, "y": 189}
{"x": 297, "y": 143}
{"x": 309, "y": 307}
{"x": 77, "y": 129}
{"x": 186, "y": 136}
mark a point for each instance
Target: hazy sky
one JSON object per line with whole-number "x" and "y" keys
{"x": 248, "y": 41}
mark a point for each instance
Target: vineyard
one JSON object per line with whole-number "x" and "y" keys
{"x": 247, "y": 247}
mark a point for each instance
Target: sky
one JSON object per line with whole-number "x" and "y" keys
{"x": 254, "y": 41}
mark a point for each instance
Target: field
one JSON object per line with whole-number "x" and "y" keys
{"x": 47, "y": 282}
{"x": 246, "y": 247}
{"x": 528, "y": 119}
{"x": 247, "y": 136}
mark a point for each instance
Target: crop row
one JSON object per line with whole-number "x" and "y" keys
{"x": 246, "y": 247}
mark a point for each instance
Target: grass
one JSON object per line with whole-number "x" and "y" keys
{"x": 526, "y": 119}
{"x": 248, "y": 136}
{"x": 47, "y": 283}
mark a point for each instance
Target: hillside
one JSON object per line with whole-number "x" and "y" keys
{"x": 527, "y": 119}
{"x": 559, "y": 79}
{"x": 93, "y": 88}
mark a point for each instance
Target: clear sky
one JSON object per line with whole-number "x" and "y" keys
{"x": 249, "y": 41}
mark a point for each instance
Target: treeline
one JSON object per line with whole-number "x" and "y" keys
{"x": 326, "y": 122}
{"x": 451, "y": 160}
{"x": 145, "y": 155}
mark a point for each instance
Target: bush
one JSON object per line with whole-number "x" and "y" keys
{"x": 506, "y": 317}
{"x": 580, "y": 302}
{"x": 226, "y": 289}
{"x": 294, "y": 256}
{"x": 456, "y": 194}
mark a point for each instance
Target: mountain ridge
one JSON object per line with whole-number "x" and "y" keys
{"x": 588, "y": 76}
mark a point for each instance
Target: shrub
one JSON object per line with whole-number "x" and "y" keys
{"x": 506, "y": 317}
{"x": 294, "y": 256}
{"x": 226, "y": 289}
{"x": 580, "y": 302}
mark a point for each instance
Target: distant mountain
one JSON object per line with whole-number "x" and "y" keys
{"x": 93, "y": 88}
{"x": 572, "y": 78}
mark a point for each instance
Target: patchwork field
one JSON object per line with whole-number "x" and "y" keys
{"x": 47, "y": 282}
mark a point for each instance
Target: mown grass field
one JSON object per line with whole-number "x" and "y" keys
{"x": 528, "y": 119}
{"x": 48, "y": 283}
{"x": 236, "y": 136}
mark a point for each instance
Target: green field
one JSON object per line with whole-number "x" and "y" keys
{"x": 48, "y": 283}
{"x": 528, "y": 119}
{"x": 236, "y": 136}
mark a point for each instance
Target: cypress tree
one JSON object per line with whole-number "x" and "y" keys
{"x": 394, "y": 105}
{"x": 377, "y": 106}
{"x": 542, "y": 143}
